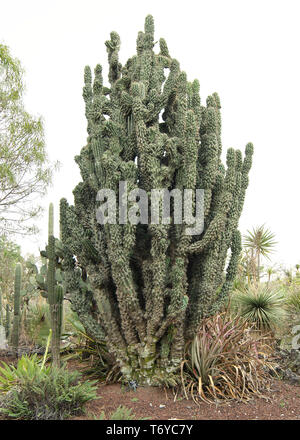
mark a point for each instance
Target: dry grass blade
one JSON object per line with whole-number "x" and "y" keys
{"x": 225, "y": 362}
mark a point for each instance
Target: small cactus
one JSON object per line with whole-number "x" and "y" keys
{"x": 16, "y": 322}
{"x": 1, "y": 316}
{"x": 7, "y": 322}
{"x": 49, "y": 281}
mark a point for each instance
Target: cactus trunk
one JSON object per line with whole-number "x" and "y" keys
{"x": 16, "y": 321}
{"x": 7, "y": 322}
{"x": 54, "y": 293}
{"x": 1, "y": 308}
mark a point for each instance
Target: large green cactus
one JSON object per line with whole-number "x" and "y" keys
{"x": 17, "y": 306}
{"x": 145, "y": 288}
{"x": 55, "y": 299}
{"x": 55, "y": 293}
{"x": 49, "y": 281}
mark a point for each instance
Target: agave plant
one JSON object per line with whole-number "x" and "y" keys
{"x": 224, "y": 362}
{"x": 260, "y": 306}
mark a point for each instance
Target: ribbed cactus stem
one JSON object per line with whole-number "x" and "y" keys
{"x": 48, "y": 281}
{"x": 1, "y": 313}
{"x": 55, "y": 299}
{"x": 51, "y": 220}
{"x": 7, "y": 322}
{"x": 16, "y": 322}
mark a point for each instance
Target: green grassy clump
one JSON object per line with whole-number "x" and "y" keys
{"x": 32, "y": 391}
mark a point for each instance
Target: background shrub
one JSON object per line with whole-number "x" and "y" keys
{"x": 33, "y": 392}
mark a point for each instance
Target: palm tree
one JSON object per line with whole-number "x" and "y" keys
{"x": 260, "y": 242}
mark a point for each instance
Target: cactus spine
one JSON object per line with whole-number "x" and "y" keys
{"x": 16, "y": 321}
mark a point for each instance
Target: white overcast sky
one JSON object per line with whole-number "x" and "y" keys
{"x": 246, "y": 50}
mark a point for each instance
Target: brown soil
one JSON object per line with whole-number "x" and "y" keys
{"x": 282, "y": 402}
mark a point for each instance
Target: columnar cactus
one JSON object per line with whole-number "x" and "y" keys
{"x": 7, "y": 322}
{"x": 17, "y": 296}
{"x": 55, "y": 293}
{"x": 49, "y": 281}
{"x": 55, "y": 299}
{"x": 1, "y": 312}
{"x": 144, "y": 288}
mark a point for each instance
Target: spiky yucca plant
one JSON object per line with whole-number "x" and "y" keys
{"x": 261, "y": 306}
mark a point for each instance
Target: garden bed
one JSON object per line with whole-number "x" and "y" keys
{"x": 283, "y": 403}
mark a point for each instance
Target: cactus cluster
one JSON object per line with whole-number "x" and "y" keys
{"x": 144, "y": 288}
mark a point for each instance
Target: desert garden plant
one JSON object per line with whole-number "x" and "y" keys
{"x": 17, "y": 307}
{"x": 121, "y": 413}
{"x": 223, "y": 362}
{"x": 293, "y": 300}
{"x": 49, "y": 282}
{"x": 38, "y": 322}
{"x": 143, "y": 287}
{"x": 260, "y": 305}
{"x": 293, "y": 295}
{"x": 35, "y": 391}
{"x": 84, "y": 348}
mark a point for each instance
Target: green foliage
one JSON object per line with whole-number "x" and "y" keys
{"x": 38, "y": 323}
{"x": 121, "y": 413}
{"x": 55, "y": 293}
{"x": 25, "y": 171}
{"x": 28, "y": 368}
{"x": 31, "y": 391}
{"x": 224, "y": 362}
{"x": 261, "y": 306}
{"x": 293, "y": 295}
{"x": 294, "y": 301}
{"x": 144, "y": 288}
{"x": 261, "y": 240}
{"x": 84, "y": 347}
{"x": 50, "y": 282}
{"x": 11, "y": 84}
{"x": 10, "y": 255}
